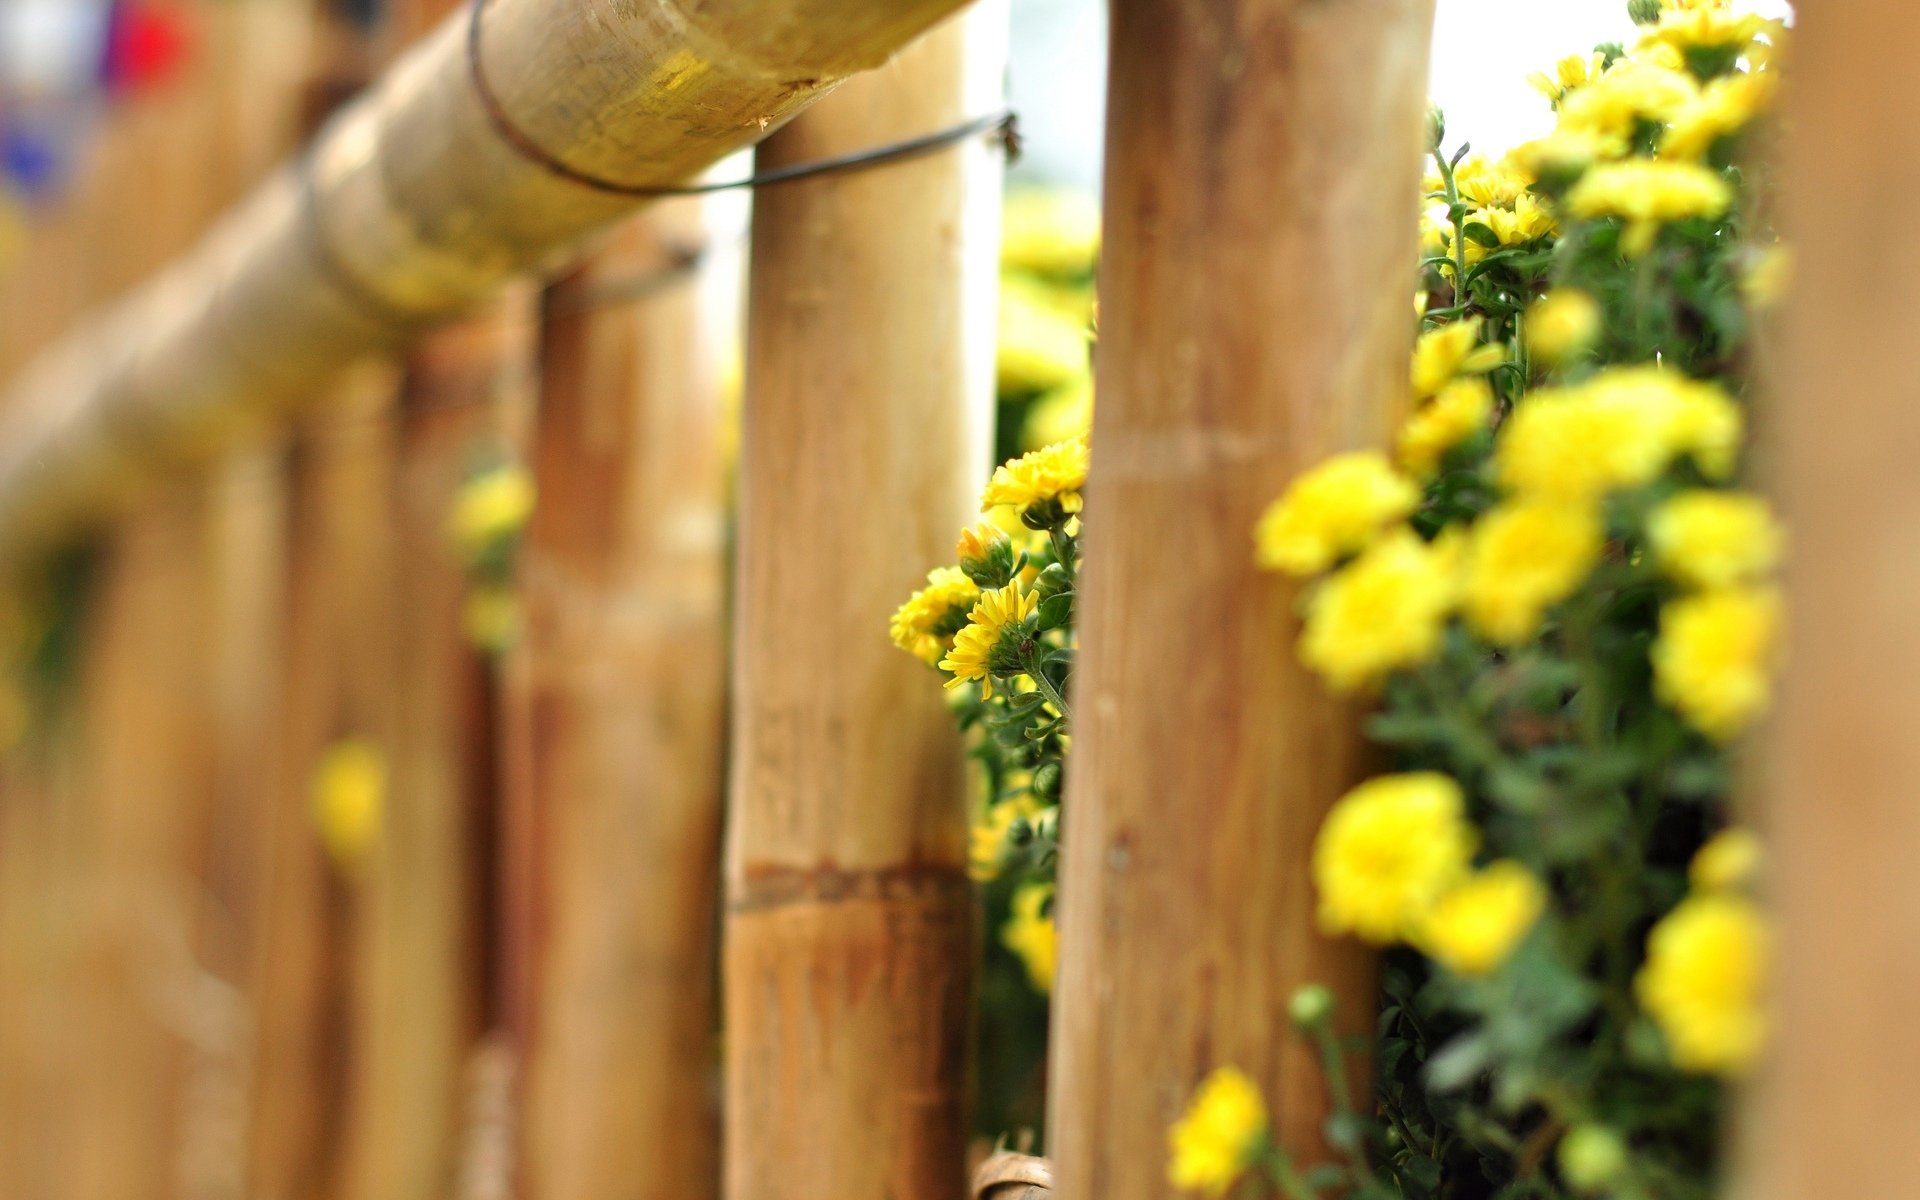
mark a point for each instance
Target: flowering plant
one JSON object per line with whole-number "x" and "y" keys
{"x": 1561, "y": 601}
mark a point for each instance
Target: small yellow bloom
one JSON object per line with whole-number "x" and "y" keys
{"x": 1528, "y": 220}
{"x": 490, "y": 508}
{"x": 1707, "y": 538}
{"x": 1485, "y": 184}
{"x": 1647, "y": 193}
{"x": 1220, "y": 1134}
{"x": 1728, "y": 862}
{"x": 1703, "y": 983}
{"x": 1388, "y": 850}
{"x": 1611, "y": 107}
{"x": 1561, "y": 324}
{"x": 1523, "y": 557}
{"x": 1443, "y": 354}
{"x": 1577, "y": 443}
{"x": 1723, "y": 108}
{"x": 1332, "y": 510}
{"x": 1055, "y": 472}
{"x": 1564, "y": 154}
{"x": 1385, "y": 611}
{"x": 349, "y": 795}
{"x": 1031, "y": 934}
{"x": 1713, "y": 661}
{"x": 1706, "y": 28}
{"x": 987, "y": 841}
{"x": 924, "y": 626}
{"x": 1573, "y": 71}
{"x": 993, "y": 614}
{"x": 1460, "y": 410}
{"x": 1475, "y": 925}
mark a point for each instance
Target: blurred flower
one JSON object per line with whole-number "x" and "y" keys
{"x": 1702, "y": 982}
{"x": 1220, "y": 1135}
{"x": 1063, "y": 414}
{"x": 349, "y": 796}
{"x": 1385, "y": 611}
{"x": 1707, "y": 538}
{"x": 1730, "y": 860}
{"x": 1561, "y": 324}
{"x": 1461, "y": 410}
{"x": 491, "y": 616}
{"x": 1573, "y": 71}
{"x": 1523, "y": 557}
{"x": 1050, "y": 231}
{"x": 1443, "y": 354}
{"x": 1475, "y": 925}
{"x": 1647, "y": 193}
{"x": 987, "y": 841}
{"x": 1388, "y": 850}
{"x": 490, "y": 509}
{"x": 1713, "y": 660}
{"x": 1031, "y": 935}
{"x": 1332, "y": 510}
{"x": 1041, "y": 345}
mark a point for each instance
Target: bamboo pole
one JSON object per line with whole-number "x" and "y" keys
{"x": 413, "y": 206}
{"x": 1262, "y": 164}
{"x": 1836, "y": 1107}
{"x": 849, "y": 932}
{"x": 625, "y": 661}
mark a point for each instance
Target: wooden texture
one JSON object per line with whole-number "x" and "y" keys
{"x": 625, "y": 659}
{"x": 849, "y": 933}
{"x": 1837, "y": 1108}
{"x": 409, "y": 208}
{"x": 1262, "y": 163}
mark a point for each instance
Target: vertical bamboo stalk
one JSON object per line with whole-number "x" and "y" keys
{"x": 625, "y": 660}
{"x": 1837, "y": 1106}
{"x": 849, "y": 927}
{"x": 1262, "y": 164}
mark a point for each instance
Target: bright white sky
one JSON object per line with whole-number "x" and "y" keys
{"x": 1483, "y": 51}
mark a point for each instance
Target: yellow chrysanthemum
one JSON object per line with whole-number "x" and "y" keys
{"x": 1523, "y": 557}
{"x": 1475, "y": 925}
{"x": 1030, "y": 933}
{"x": 1061, "y": 415}
{"x": 1332, "y": 510}
{"x": 1580, "y": 442}
{"x": 489, "y": 508}
{"x": 1388, "y": 850}
{"x": 993, "y": 614}
{"x": 1573, "y": 71}
{"x": 924, "y": 626}
{"x": 1444, "y": 354}
{"x": 1049, "y": 231}
{"x": 348, "y": 794}
{"x": 1561, "y": 324}
{"x": 1528, "y": 220}
{"x": 1041, "y": 346}
{"x": 1702, "y": 421}
{"x": 1707, "y": 538}
{"x": 1220, "y": 1134}
{"x": 1563, "y": 154}
{"x": 1630, "y": 92}
{"x": 1728, "y": 862}
{"x": 1713, "y": 661}
{"x": 1385, "y": 611}
{"x": 1460, "y": 410}
{"x": 1485, "y": 184}
{"x": 1706, "y": 28}
{"x": 1703, "y": 983}
{"x": 1723, "y": 108}
{"x": 1055, "y": 472}
{"x": 1647, "y": 193}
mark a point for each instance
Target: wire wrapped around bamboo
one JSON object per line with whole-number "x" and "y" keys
{"x": 411, "y": 206}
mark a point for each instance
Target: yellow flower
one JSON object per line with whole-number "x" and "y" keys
{"x": 1220, "y": 1134}
{"x": 1573, "y": 71}
{"x": 1713, "y": 661}
{"x": 1577, "y": 443}
{"x": 1706, "y": 28}
{"x": 1385, "y": 611}
{"x": 1475, "y": 925}
{"x": 490, "y": 614}
{"x": 924, "y": 626}
{"x": 1528, "y": 220}
{"x": 1647, "y": 193}
{"x": 1388, "y": 850}
{"x": 1523, "y": 557}
{"x": 1703, "y": 983}
{"x": 1766, "y": 277}
{"x": 348, "y": 795}
{"x": 1724, "y": 107}
{"x": 1031, "y": 934}
{"x": 1063, "y": 414}
{"x": 490, "y": 508}
{"x": 1612, "y": 106}
{"x": 1055, "y": 472}
{"x": 1450, "y": 351}
{"x": 988, "y": 840}
{"x": 1728, "y": 862}
{"x": 1702, "y": 420}
{"x": 1706, "y": 538}
{"x": 1563, "y": 154}
{"x": 1561, "y": 324}
{"x": 1485, "y": 184}
{"x": 1049, "y": 231}
{"x": 1331, "y": 511}
{"x": 1456, "y": 414}
{"x": 1040, "y": 347}
{"x": 973, "y": 647}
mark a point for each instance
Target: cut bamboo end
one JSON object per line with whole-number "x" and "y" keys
{"x": 1008, "y": 1176}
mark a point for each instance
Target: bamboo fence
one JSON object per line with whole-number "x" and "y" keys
{"x": 551, "y": 975}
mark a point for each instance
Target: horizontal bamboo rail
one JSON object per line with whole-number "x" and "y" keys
{"x": 416, "y": 203}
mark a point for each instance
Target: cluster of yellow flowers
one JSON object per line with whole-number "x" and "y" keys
{"x": 1706, "y": 967}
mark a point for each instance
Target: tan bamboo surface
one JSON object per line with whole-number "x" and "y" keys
{"x": 849, "y": 932}
{"x": 625, "y": 660}
{"x": 412, "y": 206}
{"x": 1836, "y": 1106}
{"x": 1251, "y": 145}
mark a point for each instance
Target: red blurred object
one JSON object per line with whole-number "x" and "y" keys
{"x": 146, "y": 43}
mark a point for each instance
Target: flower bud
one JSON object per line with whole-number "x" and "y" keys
{"x": 1592, "y": 1157}
{"x": 1310, "y": 1007}
{"x": 1644, "y": 12}
{"x": 1046, "y": 780}
{"x": 986, "y": 555}
{"x": 1436, "y": 126}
